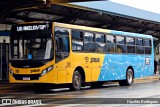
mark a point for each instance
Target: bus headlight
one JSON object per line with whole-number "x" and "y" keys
{"x": 45, "y": 71}
{"x": 11, "y": 72}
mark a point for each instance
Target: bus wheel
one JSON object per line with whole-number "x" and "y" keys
{"x": 97, "y": 84}
{"x": 76, "y": 81}
{"x": 129, "y": 79}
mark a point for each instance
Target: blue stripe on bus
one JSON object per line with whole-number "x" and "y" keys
{"x": 115, "y": 66}
{"x": 130, "y": 34}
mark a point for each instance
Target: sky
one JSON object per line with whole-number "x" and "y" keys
{"x": 148, "y": 5}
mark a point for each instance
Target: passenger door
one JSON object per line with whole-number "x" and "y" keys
{"x": 61, "y": 52}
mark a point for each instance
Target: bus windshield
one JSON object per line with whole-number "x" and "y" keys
{"x": 33, "y": 46}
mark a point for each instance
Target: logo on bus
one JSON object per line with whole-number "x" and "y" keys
{"x": 35, "y": 70}
{"x": 87, "y": 59}
{"x": 92, "y": 60}
{"x": 95, "y": 60}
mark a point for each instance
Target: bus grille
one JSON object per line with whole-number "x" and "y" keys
{"x": 21, "y": 76}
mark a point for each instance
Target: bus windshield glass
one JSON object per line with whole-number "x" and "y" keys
{"x": 33, "y": 46}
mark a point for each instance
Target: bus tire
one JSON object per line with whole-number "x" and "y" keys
{"x": 97, "y": 84}
{"x": 76, "y": 81}
{"x": 129, "y": 79}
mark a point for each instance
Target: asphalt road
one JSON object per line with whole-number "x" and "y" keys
{"x": 143, "y": 94}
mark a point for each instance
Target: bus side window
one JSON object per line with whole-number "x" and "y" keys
{"x": 121, "y": 44}
{"x": 77, "y": 41}
{"x": 130, "y": 41}
{"x": 139, "y": 46}
{"x": 56, "y": 46}
{"x": 62, "y": 43}
{"x": 147, "y": 44}
{"x": 110, "y": 43}
{"x": 89, "y": 42}
{"x": 100, "y": 43}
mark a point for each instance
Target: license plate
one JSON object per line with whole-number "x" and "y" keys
{"x": 26, "y": 78}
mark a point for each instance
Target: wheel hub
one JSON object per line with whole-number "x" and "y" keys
{"x": 129, "y": 77}
{"x": 76, "y": 81}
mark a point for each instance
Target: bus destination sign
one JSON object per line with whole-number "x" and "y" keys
{"x": 32, "y": 27}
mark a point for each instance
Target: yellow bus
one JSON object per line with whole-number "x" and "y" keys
{"x": 58, "y": 53}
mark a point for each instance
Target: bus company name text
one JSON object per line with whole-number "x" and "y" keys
{"x": 35, "y": 70}
{"x": 95, "y": 60}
